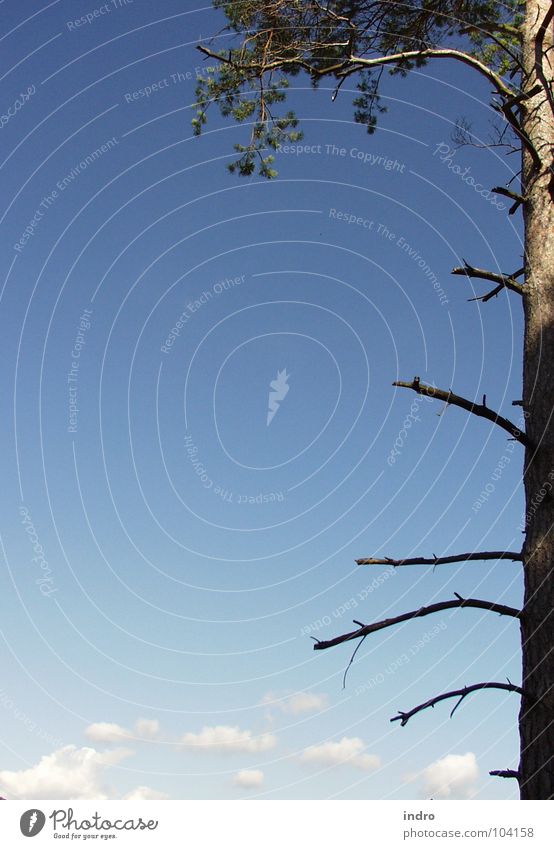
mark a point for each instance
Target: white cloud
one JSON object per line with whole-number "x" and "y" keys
{"x": 147, "y": 727}
{"x": 71, "y": 773}
{"x": 249, "y": 778}
{"x": 451, "y": 777}
{"x": 107, "y": 732}
{"x": 110, "y": 732}
{"x": 297, "y": 703}
{"x": 68, "y": 773}
{"x": 141, "y": 793}
{"x": 348, "y": 751}
{"x": 226, "y": 738}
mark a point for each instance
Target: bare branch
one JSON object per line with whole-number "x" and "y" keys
{"x": 501, "y": 190}
{"x": 477, "y": 409}
{"x": 492, "y": 294}
{"x": 501, "y": 609}
{"x": 439, "y": 561}
{"x": 505, "y": 773}
{"x": 507, "y": 281}
{"x": 405, "y": 716}
{"x": 517, "y": 198}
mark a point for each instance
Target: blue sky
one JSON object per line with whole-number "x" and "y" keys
{"x": 185, "y": 551}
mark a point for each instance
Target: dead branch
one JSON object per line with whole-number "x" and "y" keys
{"x": 477, "y": 409}
{"x": 363, "y": 630}
{"x": 517, "y": 198}
{"x": 439, "y": 561}
{"x": 505, "y": 773}
{"x": 507, "y": 281}
{"x": 405, "y": 716}
{"x": 492, "y": 294}
{"x": 502, "y": 190}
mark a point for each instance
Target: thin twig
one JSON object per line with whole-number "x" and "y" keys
{"x": 351, "y": 661}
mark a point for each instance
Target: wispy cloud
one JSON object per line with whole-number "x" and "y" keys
{"x": 346, "y": 752}
{"x": 111, "y": 732}
{"x": 226, "y": 738}
{"x": 142, "y": 793}
{"x": 297, "y": 703}
{"x": 107, "y": 732}
{"x": 249, "y": 779}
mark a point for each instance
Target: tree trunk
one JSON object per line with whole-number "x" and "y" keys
{"x": 536, "y": 720}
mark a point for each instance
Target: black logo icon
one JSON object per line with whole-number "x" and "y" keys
{"x": 32, "y": 822}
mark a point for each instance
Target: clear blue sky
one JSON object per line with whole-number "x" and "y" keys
{"x": 185, "y": 550}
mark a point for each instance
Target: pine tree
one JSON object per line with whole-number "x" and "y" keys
{"x": 511, "y": 45}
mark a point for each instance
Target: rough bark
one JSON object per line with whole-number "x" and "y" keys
{"x": 536, "y": 720}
